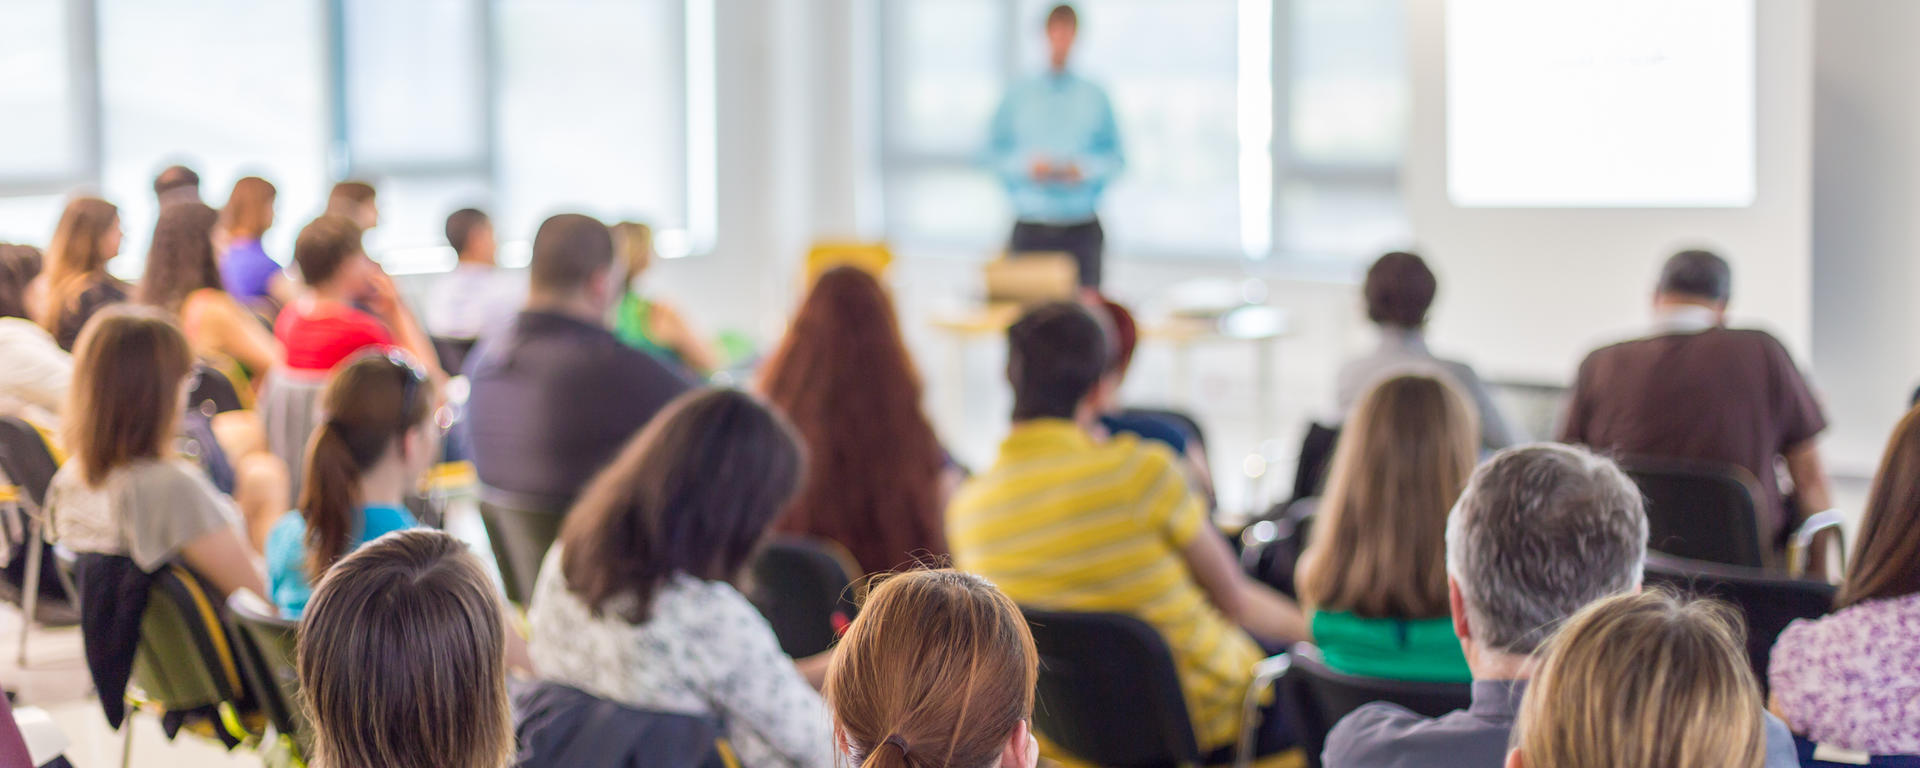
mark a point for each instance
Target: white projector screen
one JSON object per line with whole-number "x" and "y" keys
{"x": 1600, "y": 103}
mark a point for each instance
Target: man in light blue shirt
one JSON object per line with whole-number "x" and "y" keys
{"x": 1055, "y": 145}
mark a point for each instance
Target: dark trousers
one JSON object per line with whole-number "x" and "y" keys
{"x": 1084, "y": 241}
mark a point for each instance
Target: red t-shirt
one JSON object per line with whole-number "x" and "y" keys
{"x": 318, "y": 336}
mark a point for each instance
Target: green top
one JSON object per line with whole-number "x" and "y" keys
{"x": 633, "y": 324}
{"x": 1398, "y": 649}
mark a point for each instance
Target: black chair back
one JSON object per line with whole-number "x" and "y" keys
{"x": 521, "y": 530}
{"x": 264, "y": 647}
{"x": 1316, "y": 456}
{"x": 1699, "y": 511}
{"x": 212, "y": 392}
{"x": 1108, "y": 692}
{"x": 1768, "y": 600}
{"x": 1271, "y": 548}
{"x": 27, "y": 464}
{"x": 1314, "y": 697}
{"x": 453, "y": 353}
{"x": 1185, "y": 421}
{"x": 803, "y": 586}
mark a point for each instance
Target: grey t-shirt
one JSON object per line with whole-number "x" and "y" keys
{"x": 1381, "y": 735}
{"x": 147, "y": 510}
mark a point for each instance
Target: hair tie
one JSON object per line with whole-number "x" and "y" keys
{"x": 896, "y": 742}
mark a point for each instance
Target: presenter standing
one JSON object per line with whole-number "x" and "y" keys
{"x": 1055, "y": 146}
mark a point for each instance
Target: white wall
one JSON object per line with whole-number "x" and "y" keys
{"x": 1866, "y": 233}
{"x": 1527, "y": 291}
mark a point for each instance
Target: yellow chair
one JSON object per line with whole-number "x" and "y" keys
{"x": 875, "y": 258}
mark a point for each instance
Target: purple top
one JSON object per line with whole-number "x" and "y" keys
{"x": 1852, "y": 679}
{"x": 246, "y": 269}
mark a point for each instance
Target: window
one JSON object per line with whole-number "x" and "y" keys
{"x": 47, "y": 77}
{"x": 1252, "y": 128}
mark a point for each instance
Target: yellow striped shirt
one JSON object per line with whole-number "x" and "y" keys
{"x": 1061, "y": 523}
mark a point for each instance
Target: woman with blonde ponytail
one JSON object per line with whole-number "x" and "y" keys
{"x": 377, "y": 439}
{"x": 937, "y": 672}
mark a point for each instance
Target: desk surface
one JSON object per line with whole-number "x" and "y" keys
{"x": 1249, "y": 323}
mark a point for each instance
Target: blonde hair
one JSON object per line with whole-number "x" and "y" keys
{"x": 937, "y": 672}
{"x": 1644, "y": 681}
{"x": 75, "y": 260}
{"x": 633, "y": 245}
{"x": 1379, "y": 547}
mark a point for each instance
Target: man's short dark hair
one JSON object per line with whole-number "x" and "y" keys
{"x": 460, "y": 227}
{"x": 1399, "y": 290}
{"x": 324, "y": 245}
{"x": 1699, "y": 274}
{"x": 1063, "y": 14}
{"x": 175, "y": 177}
{"x": 568, "y": 250}
{"x": 1056, "y": 354}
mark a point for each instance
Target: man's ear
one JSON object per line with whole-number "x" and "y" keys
{"x": 1458, "y": 605}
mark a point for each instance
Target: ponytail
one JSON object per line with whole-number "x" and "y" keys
{"x": 327, "y": 497}
{"x": 891, "y": 752}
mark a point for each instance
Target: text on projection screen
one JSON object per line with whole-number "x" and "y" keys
{"x": 1600, "y": 103}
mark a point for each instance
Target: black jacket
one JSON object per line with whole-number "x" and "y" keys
{"x": 563, "y": 727}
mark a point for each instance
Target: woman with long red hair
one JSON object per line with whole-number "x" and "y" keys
{"x": 877, "y": 478}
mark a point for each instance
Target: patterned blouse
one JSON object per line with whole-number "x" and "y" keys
{"x": 705, "y": 650}
{"x": 1852, "y": 679}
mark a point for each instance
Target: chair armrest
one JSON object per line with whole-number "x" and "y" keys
{"x": 1264, "y": 674}
{"x": 1801, "y": 545}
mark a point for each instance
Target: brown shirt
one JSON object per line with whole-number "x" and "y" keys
{"x": 1720, "y": 395}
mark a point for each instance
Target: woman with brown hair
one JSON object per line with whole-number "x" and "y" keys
{"x": 1374, "y": 575}
{"x": 638, "y": 601}
{"x": 402, "y": 659}
{"x": 378, "y": 439}
{"x": 246, "y": 270}
{"x": 183, "y": 278}
{"x": 124, "y": 491}
{"x": 878, "y": 480}
{"x": 938, "y": 672}
{"x": 1643, "y": 681}
{"x": 76, "y": 283}
{"x": 1850, "y": 680}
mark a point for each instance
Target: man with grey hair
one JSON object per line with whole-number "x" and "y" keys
{"x": 1540, "y": 532}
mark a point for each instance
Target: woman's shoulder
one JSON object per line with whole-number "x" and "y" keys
{"x": 1860, "y": 629}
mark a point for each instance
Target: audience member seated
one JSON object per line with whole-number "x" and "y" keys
{"x": 1850, "y": 680}
{"x": 1399, "y": 291}
{"x": 124, "y": 492}
{"x": 377, "y": 441}
{"x": 350, "y": 304}
{"x": 403, "y": 659}
{"x": 939, "y": 670}
{"x": 1125, "y": 337}
{"x": 1697, "y": 390}
{"x": 652, "y": 326}
{"x": 555, "y": 395}
{"x": 250, "y": 275}
{"x": 878, "y": 480}
{"x": 33, "y": 383}
{"x": 76, "y": 283}
{"x": 1064, "y": 523}
{"x": 183, "y": 278}
{"x": 354, "y": 201}
{"x": 1540, "y": 532}
{"x": 1374, "y": 577}
{"x": 1643, "y": 681}
{"x": 477, "y": 296}
{"x": 638, "y": 602}
{"x": 176, "y": 184}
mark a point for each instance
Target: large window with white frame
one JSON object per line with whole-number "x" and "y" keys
{"x": 1256, "y": 129}
{"x": 520, "y": 107}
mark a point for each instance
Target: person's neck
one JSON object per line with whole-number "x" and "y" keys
{"x": 1085, "y": 416}
{"x": 477, "y": 261}
{"x": 385, "y": 485}
{"x": 332, "y": 293}
{"x": 577, "y": 306}
{"x": 1496, "y": 665}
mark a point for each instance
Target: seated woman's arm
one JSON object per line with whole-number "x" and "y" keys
{"x": 226, "y": 560}
{"x": 1265, "y": 613}
{"x": 243, "y": 338}
{"x": 677, "y": 335}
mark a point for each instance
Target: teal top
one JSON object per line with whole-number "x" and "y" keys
{"x": 287, "y": 552}
{"x": 1398, "y": 649}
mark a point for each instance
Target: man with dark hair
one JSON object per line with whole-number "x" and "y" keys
{"x": 1697, "y": 390}
{"x": 555, "y": 394}
{"x": 355, "y": 201}
{"x": 477, "y": 296}
{"x": 1055, "y": 146}
{"x": 1399, "y": 290}
{"x": 1540, "y": 532}
{"x": 176, "y": 184}
{"x": 1064, "y": 522}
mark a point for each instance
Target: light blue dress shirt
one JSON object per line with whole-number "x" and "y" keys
{"x": 1063, "y": 118}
